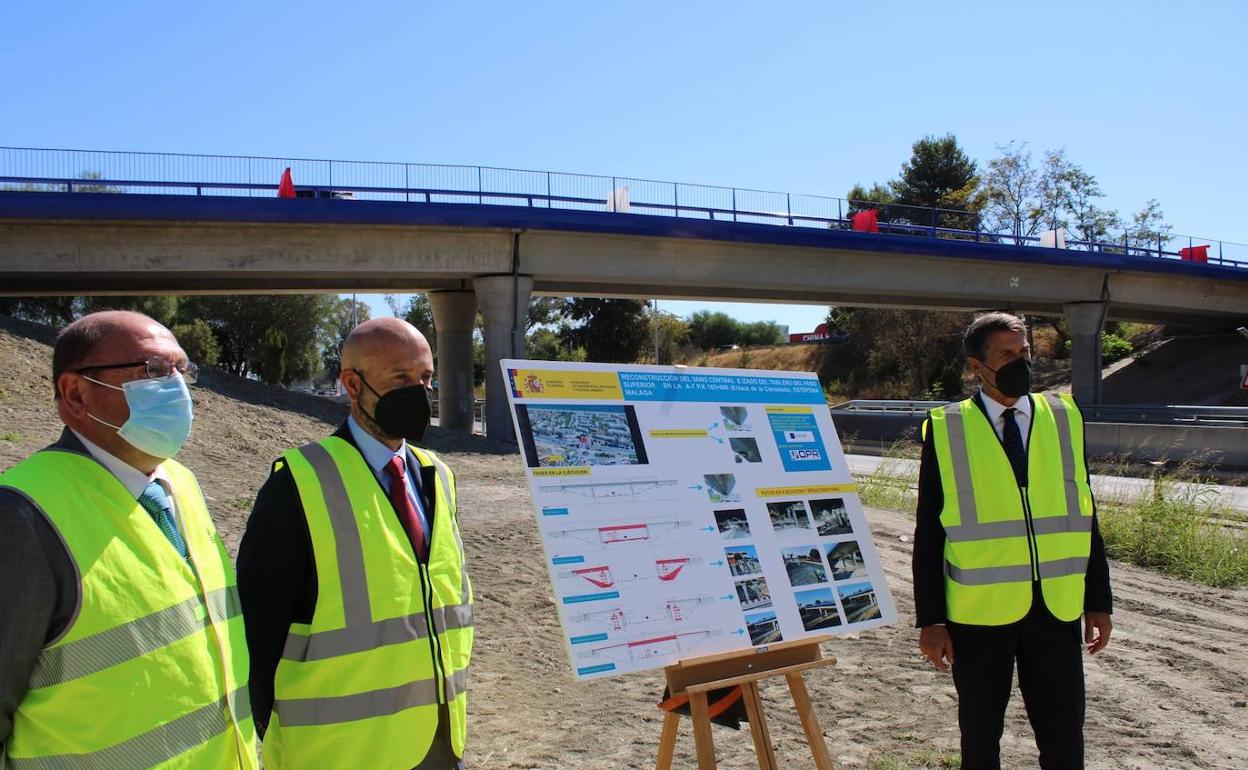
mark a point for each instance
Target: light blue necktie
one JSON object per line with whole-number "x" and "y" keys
{"x": 156, "y": 502}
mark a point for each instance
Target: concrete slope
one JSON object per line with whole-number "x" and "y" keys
{"x": 1201, "y": 370}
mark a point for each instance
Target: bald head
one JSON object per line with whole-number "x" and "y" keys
{"x": 383, "y": 340}
{"x": 378, "y": 356}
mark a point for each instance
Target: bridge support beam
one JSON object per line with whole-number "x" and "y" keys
{"x": 1085, "y": 320}
{"x": 504, "y": 301}
{"x": 454, "y": 316}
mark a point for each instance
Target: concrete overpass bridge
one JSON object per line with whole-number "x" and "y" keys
{"x": 491, "y": 238}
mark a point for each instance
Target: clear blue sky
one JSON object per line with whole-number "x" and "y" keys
{"x": 798, "y": 96}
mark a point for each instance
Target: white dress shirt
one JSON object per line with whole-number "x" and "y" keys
{"x": 133, "y": 479}
{"x": 996, "y": 415}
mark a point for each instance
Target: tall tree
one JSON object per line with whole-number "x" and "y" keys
{"x": 198, "y": 342}
{"x": 711, "y": 329}
{"x": 610, "y": 330}
{"x": 896, "y": 353}
{"x": 1148, "y": 228}
{"x": 938, "y": 175}
{"x": 419, "y": 313}
{"x": 1012, "y": 191}
{"x": 344, "y": 315}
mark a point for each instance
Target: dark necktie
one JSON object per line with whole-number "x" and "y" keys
{"x": 1012, "y": 440}
{"x": 156, "y": 503}
{"x": 403, "y": 506}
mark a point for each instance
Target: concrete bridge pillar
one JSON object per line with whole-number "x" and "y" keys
{"x": 1085, "y": 320}
{"x": 454, "y": 316}
{"x": 504, "y": 301}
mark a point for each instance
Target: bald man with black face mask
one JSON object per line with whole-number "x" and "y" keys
{"x": 355, "y": 594}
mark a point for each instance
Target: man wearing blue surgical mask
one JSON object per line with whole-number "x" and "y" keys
{"x": 121, "y": 639}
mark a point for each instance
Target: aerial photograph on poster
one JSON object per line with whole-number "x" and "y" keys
{"x": 559, "y": 436}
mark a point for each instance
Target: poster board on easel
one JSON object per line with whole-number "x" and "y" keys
{"x": 686, "y": 512}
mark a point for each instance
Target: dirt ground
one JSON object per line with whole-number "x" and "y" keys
{"x": 1170, "y": 692}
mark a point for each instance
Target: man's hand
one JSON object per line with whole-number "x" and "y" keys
{"x": 936, "y": 646}
{"x": 1096, "y": 629}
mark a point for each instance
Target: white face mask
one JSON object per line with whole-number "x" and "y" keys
{"x": 160, "y": 414}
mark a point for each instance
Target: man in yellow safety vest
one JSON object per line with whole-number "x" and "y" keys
{"x": 121, "y": 639}
{"x": 357, "y": 602}
{"x": 1007, "y": 555}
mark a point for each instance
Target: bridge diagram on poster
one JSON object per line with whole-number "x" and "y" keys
{"x": 685, "y": 512}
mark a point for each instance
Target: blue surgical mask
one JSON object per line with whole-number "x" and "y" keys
{"x": 160, "y": 414}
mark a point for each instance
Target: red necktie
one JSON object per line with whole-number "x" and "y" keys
{"x": 403, "y": 505}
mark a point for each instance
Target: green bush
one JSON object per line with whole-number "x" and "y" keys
{"x": 1113, "y": 348}
{"x": 1181, "y": 529}
{"x": 198, "y": 341}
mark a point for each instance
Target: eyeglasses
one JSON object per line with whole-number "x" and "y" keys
{"x": 158, "y": 367}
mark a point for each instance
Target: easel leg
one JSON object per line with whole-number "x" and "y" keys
{"x": 702, "y": 740}
{"x": 810, "y": 722}
{"x": 758, "y": 726}
{"x": 667, "y": 741}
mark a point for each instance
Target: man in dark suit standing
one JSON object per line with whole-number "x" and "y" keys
{"x": 357, "y": 602}
{"x": 1007, "y": 554}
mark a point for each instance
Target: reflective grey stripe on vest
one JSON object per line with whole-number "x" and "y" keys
{"x": 356, "y": 607}
{"x": 456, "y": 683}
{"x": 1018, "y": 573}
{"x": 305, "y": 712}
{"x": 381, "y": 633}
{"x": 1065, "y": 440}
{"x": 154, "y": 746}
{"x": 135, "y": 639}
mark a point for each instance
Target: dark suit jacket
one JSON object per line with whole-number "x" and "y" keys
{"x": 277, "y": 582}
{"x": 928, "y": 562}
{"x": 38, "y": 590}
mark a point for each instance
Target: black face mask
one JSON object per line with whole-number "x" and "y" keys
{"x": 1013, "y": 379}
{"x": 402, "y": 412}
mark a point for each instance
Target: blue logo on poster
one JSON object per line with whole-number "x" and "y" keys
{"x": 797, "y": 438}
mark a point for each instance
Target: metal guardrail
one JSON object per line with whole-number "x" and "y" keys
{"x": 248, "y": 176}
{"x": 1213, "y": 416}
{"x": 1150, "y": 414}
{"x": 888, "y": 406}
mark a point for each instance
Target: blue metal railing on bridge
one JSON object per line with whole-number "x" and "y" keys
{"x": 182, "y": 174}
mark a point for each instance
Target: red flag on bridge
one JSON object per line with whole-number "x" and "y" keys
{"x": 866, "y": 221}
{"x": 286, "y": 188}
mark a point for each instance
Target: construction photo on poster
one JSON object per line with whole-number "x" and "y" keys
{"x": 690, "y": 511}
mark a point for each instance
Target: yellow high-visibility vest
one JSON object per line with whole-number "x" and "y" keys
{"x": 1000, "y": 537}
{"x": 152, "y": 669}
{"x": 390, "y": 638}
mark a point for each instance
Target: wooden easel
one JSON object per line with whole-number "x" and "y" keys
{"x": 698, "y": 676}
